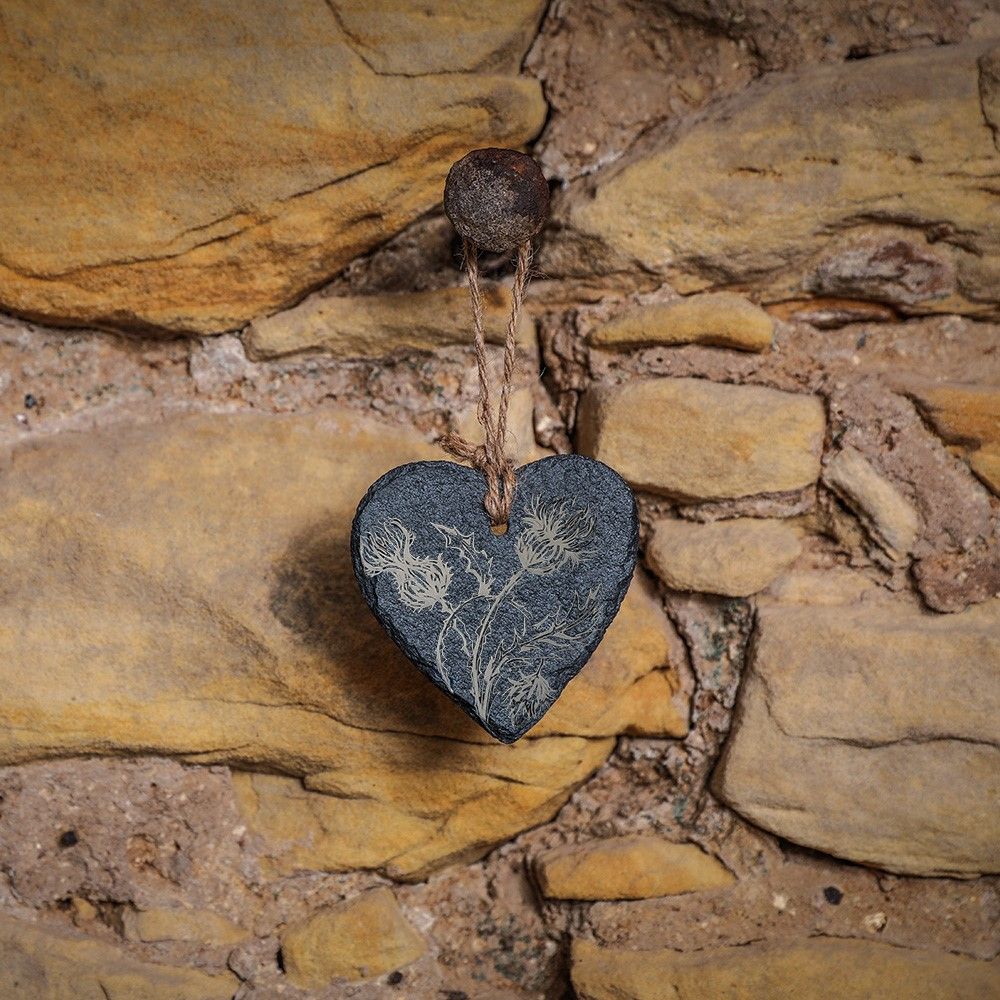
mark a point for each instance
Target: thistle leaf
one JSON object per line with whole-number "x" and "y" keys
{"x": 477, "y": 563}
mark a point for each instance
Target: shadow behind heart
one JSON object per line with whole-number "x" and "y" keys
{"x": 352, "y": 666}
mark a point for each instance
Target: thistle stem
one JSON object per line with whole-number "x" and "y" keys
{"x": 448, "y": 622}
{"x": 482, "y": 698}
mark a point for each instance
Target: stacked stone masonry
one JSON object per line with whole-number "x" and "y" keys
{"x": 768, "y": 295}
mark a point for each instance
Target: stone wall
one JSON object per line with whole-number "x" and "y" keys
{"x": 769, "y": 295}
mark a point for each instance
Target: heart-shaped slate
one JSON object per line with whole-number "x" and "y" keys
{"x": 501, "y": 623}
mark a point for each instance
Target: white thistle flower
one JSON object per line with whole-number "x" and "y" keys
{"x": 421, "y": 581}
{"x": 553, "y": 536}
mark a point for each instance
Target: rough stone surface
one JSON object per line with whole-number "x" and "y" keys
{"x": 628, "y": 868}
{"x": 719, "y": 319}
{"x": 200, "y": 607}
{"x": 736, "y": 558}
{"x": 886, "y": 514}
{"x": 377, "y": 326}
{"x": 896, "y": 221}
{"x": 897, "y": 709}
{"x": 198, "y": 926}
{"x": 362, "y": 937}
{"x": 448, "y": 805}
{"x": 309, "y": 153}
{"x": 147, "y": 646}
{"x": 967, "y": 415}
{"x": 692, "y": 439}
{"x": 853, "y": 970}
{"x": 961, "y": 414}
{"x": 500, "y": 622}
{"x": 39, "y": 964}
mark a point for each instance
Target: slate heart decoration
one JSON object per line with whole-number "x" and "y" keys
{"x": 501, "y": 623}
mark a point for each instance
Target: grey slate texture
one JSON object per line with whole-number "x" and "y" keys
{"x": 501, "y": 623}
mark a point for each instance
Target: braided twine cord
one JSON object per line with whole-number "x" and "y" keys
{"x": 491, "y": 457}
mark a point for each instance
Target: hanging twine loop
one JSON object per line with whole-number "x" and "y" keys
{"x": 498, "y": 199}
{"x": 491, "y": 456}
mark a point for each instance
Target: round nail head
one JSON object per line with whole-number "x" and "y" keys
{"x": 497, "y": 198}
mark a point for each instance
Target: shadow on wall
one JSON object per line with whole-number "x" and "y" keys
{"x": 315, "y": 597}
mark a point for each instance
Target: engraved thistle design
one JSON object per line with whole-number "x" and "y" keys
{"x": 503, "y": 647}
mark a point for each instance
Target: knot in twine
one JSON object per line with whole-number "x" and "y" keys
{"x": 491, "y": 456}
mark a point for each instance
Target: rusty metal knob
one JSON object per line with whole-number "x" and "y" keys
{"x": 497, "y": 198}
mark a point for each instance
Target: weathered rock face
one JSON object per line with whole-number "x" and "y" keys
{"x": 697, "y": 440}
{"x": 359, "y": 938}
{"x": 203, "y": 605}
{"x": 897, "y": 710}
{"x": 37, "y": 963}
{"x": 811, "y": 192}
{"x": 408, "y": 806}
{"x": 966, "y": 415}
{"x": 857, "y": 970}
{"x": 735, "y": 283}
{"x": 720, "y": 319}
{"x": 198, "y": 926}
{"x": 287, "y": 141}
{"x": 886, "y": 514}
{"x": 735, "y": 558}
{"x": 628, "y": 868}
{"x": 372, "y": 326}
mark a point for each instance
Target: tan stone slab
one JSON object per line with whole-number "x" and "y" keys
{"x": 797, "y": 183}
{"x": 967, "y": 415}
{"x": 197, "y": 926}
{"x": 37, "y": 963}
{"x": 638, "y": 867}
{"x": 829, "y": 585}
{"x": 412, "y": 805}
{"x": 898, "y": 710}
{"x": 960, "y": 413}
{"x": 376, "y": 326}
{"x": 241, "y": 158}
{"x": 881, "y": 506}
{"x": 185, "y": 588}
{"x": 521, "y": 444}
{"x": 737, "y": 558}
{"x": 815, "y": 969}
{"x": 364, "y": 936}
{"x": 719, "y": 319}
{"x": 699, "y": 440}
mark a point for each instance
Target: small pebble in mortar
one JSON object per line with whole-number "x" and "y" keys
{"x": 497, "y": 198}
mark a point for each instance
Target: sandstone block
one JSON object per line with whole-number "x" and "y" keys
{"x": 187, "y": 214}
{"x": 376, "y": 326}
{"x": 967, "y": 415}
{"x": 736, "y": 558}
{"x": 41, "y": 964}
{"x": 637, "y": 867}
{"x": 699, "y": 440}
{"x": 361, "y": 937}
{"x": 195, "y": 926}
{"x": 960, "y": 413}
{"x": 894, "y": 712}
{"x": 719, "y": 319}
{"x": 799, "y": 181}
{"x": 812, "y": 969}
{"x": 884, "y": 511}
{"x": 985, "y": 463}
{"x": 187, "y": 588}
